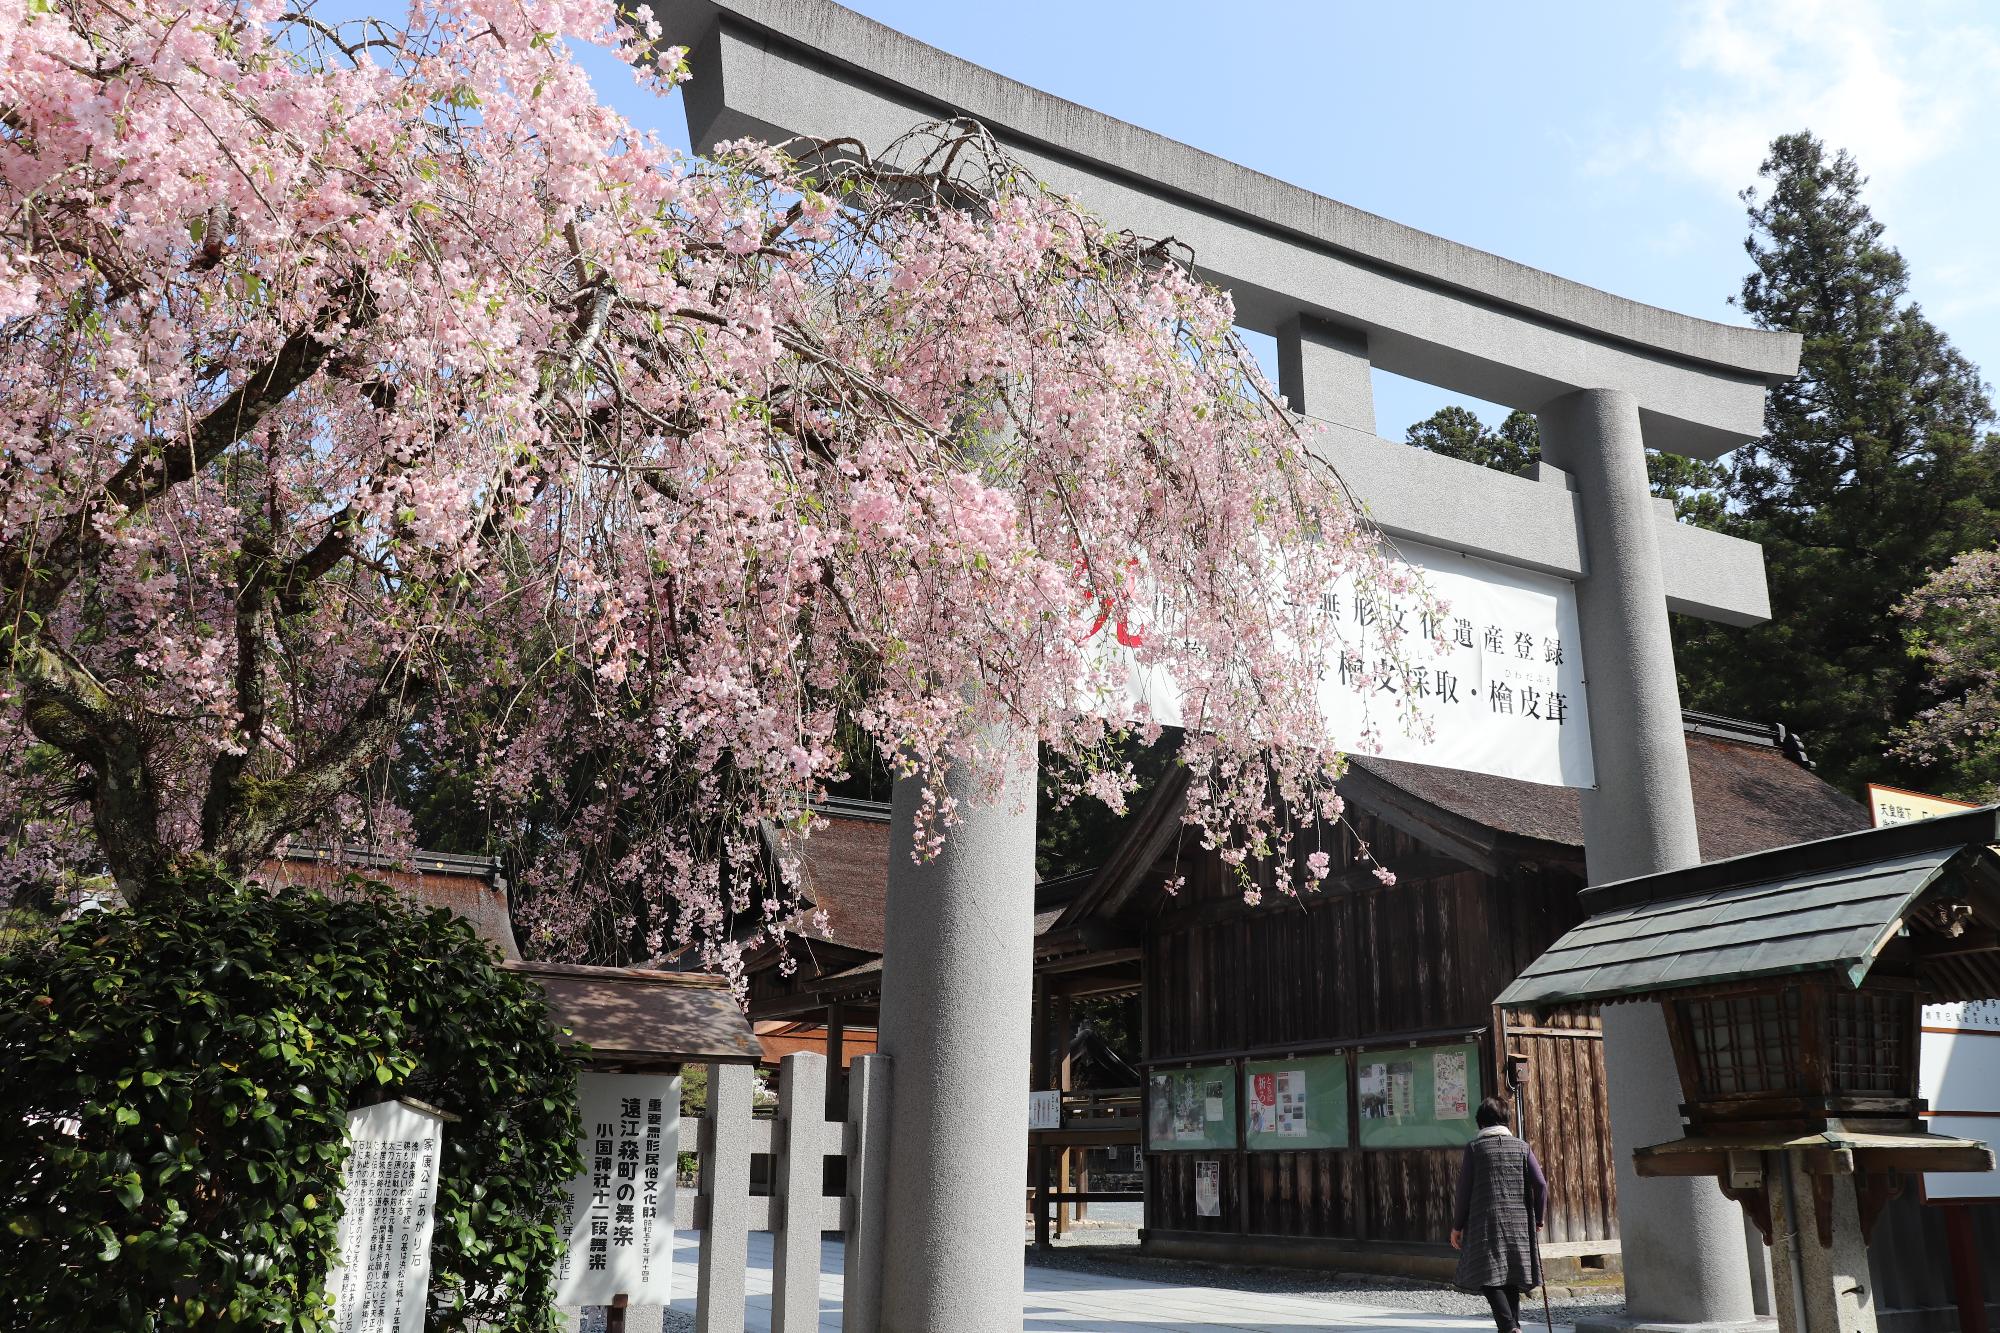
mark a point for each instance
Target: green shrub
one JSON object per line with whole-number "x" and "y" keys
{"x": 173, "y": 1111}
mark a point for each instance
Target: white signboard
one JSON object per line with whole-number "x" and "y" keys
{"x": 1045, "y": 1110}
{"x": 1505, "y": 697}
{"x": 388, "y": 1198}
{"x": 1959, "y": 1075}
{"x": 621, "y": 1209}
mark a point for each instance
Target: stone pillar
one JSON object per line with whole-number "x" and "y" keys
{"x": 1324, "y": 372}
{"x": 1681, "y": 1240}
{"x": 1820, "y": 1288}
{"x": 956, "y": 988}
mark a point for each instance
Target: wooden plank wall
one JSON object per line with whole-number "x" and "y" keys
{"x": 1563, "y": 1110}
{"x": 1351, "y": 963}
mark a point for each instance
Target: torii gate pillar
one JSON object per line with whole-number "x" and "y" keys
{"x": 1673, "y": 1233}
{"x": 957, "y": 994}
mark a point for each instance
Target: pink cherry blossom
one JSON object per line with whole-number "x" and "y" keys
{"x": 375, "y": 390}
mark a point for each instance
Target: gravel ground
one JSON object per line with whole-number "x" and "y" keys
{"x": 1110, "y": 1247}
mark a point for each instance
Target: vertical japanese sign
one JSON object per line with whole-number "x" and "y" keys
{"x": 1505, "y": 695}
{"x": 388, "y": 1197}
{"x": 621, "y": 1209}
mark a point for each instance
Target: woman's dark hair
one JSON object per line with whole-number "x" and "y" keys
{"x": 1493, "y": 1111}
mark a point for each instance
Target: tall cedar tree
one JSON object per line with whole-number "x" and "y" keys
{"x": 1878, "y": 464}
{"x": 1457, "y": 432}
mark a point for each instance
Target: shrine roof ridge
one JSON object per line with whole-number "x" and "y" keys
{"x": 1980, "y": 827}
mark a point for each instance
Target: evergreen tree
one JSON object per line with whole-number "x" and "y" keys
{"x": 1878, "y": 464}
{"x": 1457, "y": 432}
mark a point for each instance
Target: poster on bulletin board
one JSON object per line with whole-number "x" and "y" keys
{"x": 1296, "y": 1104}
{"x": 1191, "y": 1108}
{"x": 1418, "y": 1097}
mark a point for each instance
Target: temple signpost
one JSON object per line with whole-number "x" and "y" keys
{"x": 1344, "y": 292}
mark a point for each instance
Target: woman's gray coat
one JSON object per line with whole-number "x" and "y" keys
{"x": 1501, "y": 1194}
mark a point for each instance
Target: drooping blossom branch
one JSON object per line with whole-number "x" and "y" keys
{"x": 375, "y": 389}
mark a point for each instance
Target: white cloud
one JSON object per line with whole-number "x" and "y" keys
{"x": 1896, "y": 84}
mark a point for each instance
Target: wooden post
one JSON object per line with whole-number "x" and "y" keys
{"x": 1062, "y": 1188}
{"x": 725, "y": 1199}
{"x": 614, "y": 1313}
{"x": 836, "y": 1059}
{"x": 1967, "y": 1288}
{"x": 1041, "y": 1197}
{"x": 1064, "y": 1031}
{"x": 1038, "y": 1037}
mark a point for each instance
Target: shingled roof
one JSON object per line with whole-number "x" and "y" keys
{"x": 1752, "y": 790}
{"x": 1830, "y": 906}
{"x": 844, "y": 871}
{"x": 471, "y": 886}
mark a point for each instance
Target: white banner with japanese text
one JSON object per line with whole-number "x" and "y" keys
{"x": 1506, "y": 696}
{"x": 1959, "y": 1075}
{"x": 621, "y": 1209}
{"x": 388, "y": 1200}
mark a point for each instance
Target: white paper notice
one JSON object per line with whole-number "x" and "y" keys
{"x": 1448, "y": 1086}
{"x": 388, "y": 1199}
{"x": 1506, "y": 697}
{"x": 1208, "y": 1189}
{"x": 621, "y": 1209}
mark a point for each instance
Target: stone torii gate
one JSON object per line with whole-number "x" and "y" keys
{"x": 1342, "y": 291}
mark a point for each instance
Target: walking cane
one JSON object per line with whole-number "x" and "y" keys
{"x": 1535, "y": 1239}
{"x": 1516, "y": 1065}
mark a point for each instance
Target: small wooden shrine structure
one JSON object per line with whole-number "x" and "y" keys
{"x": 1313, "y": 1062}
{"x": 1792, "y": 983}
{"x": 634, "y": 1020}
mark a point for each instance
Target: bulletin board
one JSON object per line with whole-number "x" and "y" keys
{"x": 1418, "y": 1097}
{"x": 1191, "y": 1108}
{"x": 1291, "y": 1105}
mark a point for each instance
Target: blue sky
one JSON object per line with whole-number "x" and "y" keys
{"x": 1604, "y": 142}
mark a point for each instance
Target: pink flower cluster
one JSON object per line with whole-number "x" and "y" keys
{"x": 385, "y": 369}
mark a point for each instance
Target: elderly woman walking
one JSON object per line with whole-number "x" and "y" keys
{"x": 1501, "y": 1195}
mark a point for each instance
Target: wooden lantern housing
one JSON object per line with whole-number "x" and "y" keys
{"x": 1804, "y": 1054}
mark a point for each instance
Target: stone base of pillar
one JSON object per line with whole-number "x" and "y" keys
{"x": 1595, "y": 1324}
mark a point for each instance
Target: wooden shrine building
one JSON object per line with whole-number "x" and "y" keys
{"x": 632, "y": 1019}
{"x": 822, "y": 991}
{"x": 1313, "y": 1062}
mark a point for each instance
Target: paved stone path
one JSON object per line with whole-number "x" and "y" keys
{"x": 1057, "y": 1301}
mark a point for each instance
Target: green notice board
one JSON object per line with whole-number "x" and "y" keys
{"x": 1417, "y": 1097}
{"x": 1191, "y": 1108}
{"x": 1295, "y": 1104}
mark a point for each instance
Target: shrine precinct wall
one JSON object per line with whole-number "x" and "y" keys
{"x": 1359, "y": 974}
